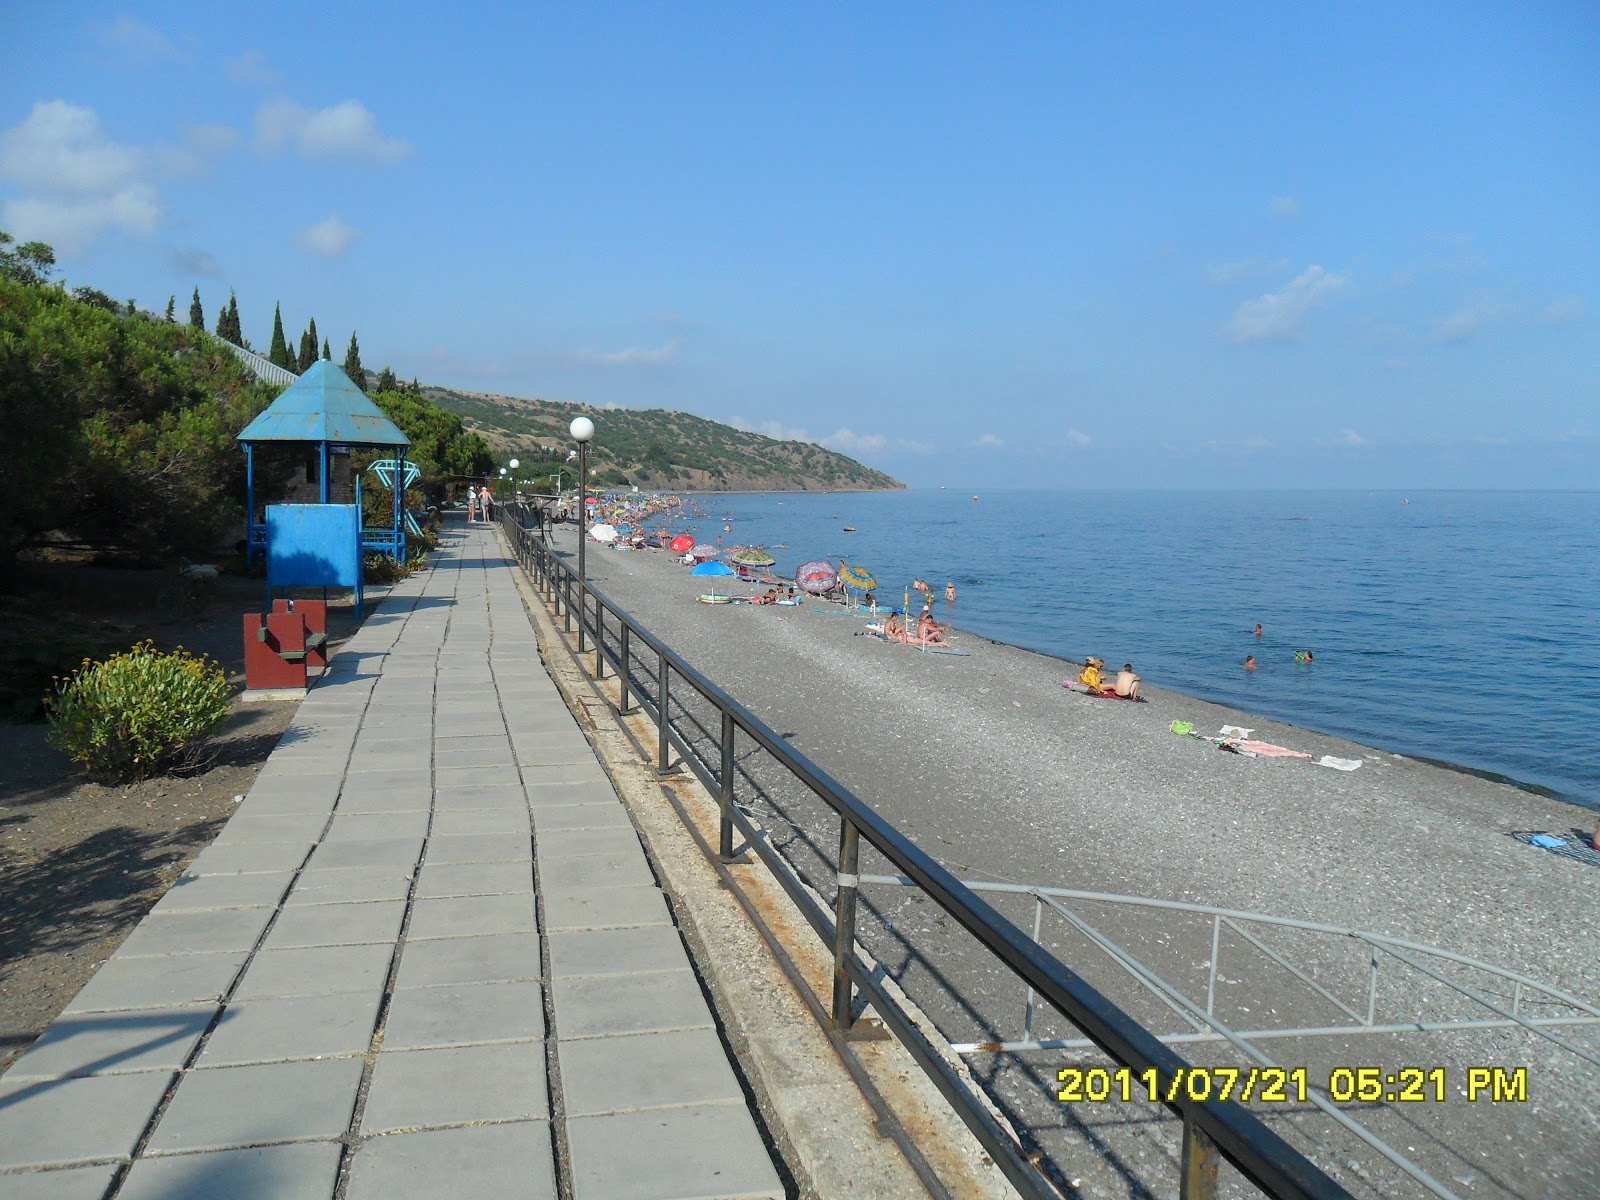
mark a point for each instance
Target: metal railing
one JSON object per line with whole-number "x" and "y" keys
{"x": 1213, "y": 1130}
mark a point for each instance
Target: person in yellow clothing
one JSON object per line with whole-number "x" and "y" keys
{"x": 1089, "y": 677}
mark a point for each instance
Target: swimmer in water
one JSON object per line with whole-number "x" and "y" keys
{"x": 950, "y": 592}
{"x": 1249, "y": 662}
{"x": 1302, "y": 656}
{"x": 1258, "y": 628}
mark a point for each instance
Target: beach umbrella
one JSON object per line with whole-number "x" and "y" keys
{"x": 711, "y": 568}
{"x": 751, "y": 556}
{"x": 603, "y": 533}
{"x": 815, "y": 577}
{"x": 680, "y": 543}
{"x": 704, "y": 550}
{"x": 857, "y": 577}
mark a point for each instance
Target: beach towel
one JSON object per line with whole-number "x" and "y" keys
{"x": 1576, "y": 849}
{"x": 1338, "y": 764}
{"x": 1267, "y": 749}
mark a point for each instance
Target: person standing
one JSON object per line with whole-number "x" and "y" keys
{"x": 472, "y": 505}
{"x": 486, "y": 502}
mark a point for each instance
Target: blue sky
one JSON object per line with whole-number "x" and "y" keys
{"x": 1350, "y": 245}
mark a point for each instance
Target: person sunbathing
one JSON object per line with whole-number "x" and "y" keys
{"x": 1090, "y": 676}
{"x": 1127, "y": 682}
{"x": 929, "y": 631}
{"x": 894, "y": 628}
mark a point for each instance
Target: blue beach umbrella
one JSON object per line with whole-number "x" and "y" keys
{"x": 711, "y": 568}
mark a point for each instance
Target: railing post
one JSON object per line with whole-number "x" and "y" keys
{"x": 622, "y": 659}
{"x": 566, "y": 602}
{"x": 662, "y": 745}
{"x": 583, "y": 616}
{"x": 725, "y": 797}
{"x": 599, "y": 639}
{"x": 1200, "y": 1161}
{"x": 844, "y": 925}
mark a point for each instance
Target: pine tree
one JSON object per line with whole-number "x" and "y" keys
{"x": 235, "y": 329}
{"x": 279, "y": 353}
{"x": 197, "y": 315}
{"x": 308, "y": 347}
{"x": 172, "y": 305}
{"x": 386, "y": 381}
{"x": 352, "y": 364}
{"x": 327, "y": 354}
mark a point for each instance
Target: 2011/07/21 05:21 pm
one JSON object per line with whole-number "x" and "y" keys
{"x": 1368, "y": 1085}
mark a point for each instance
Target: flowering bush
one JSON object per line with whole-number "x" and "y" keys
{"x": 139, "y": 713}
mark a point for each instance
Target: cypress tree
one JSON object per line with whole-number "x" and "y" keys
{"x": 327, "y": 354}
{"x": 279, "y": 353}
{"x": 235, "y": 330}
{"x": 352, "y": 364}
{"x": 386, "y": 381}
{"x": 307, "y": 354}
{"x": 172, "y": 305}
{"x": 197, "y": 316}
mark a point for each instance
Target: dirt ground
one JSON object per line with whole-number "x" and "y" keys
{"x": 81, "y": 863}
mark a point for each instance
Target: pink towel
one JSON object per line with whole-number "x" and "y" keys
{"x": 1267, "y": 749}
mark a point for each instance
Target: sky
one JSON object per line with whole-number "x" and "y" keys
{"x": 1070, "y": 245}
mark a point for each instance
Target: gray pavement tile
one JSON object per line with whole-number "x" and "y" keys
{"x": 458, "y": 1085}
{"x": 503, "y": 821}
{"x": 572, "y": 843}
{"x": 336, "y": 924}
{"x": 600, "y": 908}
{"x": 418, "y": 799}
{"x": 351, "y": 885}
{"x": 602, "y": 814}
{"x": 513, "y": 1159}
{"x": 562, "y": 750}
{"x": 278, "y": 1028}
{"x": 287, "y": 761}
{"x": 474, "y": 879}
{"x": 70, "y": 1183}
{"x": 246, "y": 825}
{"x": 130, "y": 983}
{"x": 392, "y": 780}
{"x": 202, "y": 931}
{"x": 192, "y": 892}
{"x": 624, "y": 869}
{"x": 616, "y": 951}
{"x": 394, "y": 755}
{"x": 114, "y": 1043}
{"x": 479, "y": 847}
{"x": 463, "y": 1015}
{"x": 289, "y": 799}
{"x": 302, "y": 1171}
{"x": 477, "y": 739}
{"x": 448, "y": 799}
{"x": 71, "y": 1120}
{"x": 694, "y": 1153}
{"x": 351, "y": 826}
{"x": 494, "y": 957}
{"x": 446, "y": 727}
{"x": 254, "y": 857}
{"x": 478, "y": 756}
{"x": 645, "y": 1070}
{"x": 467, "y": 916}
{"x": 498, "y": 776}
{"x": 567, "y": 773}
{"x": 374, "y": 852}
{"x": 544, "y": 794}
{"x": 246, "y": 1106}
{"x": 649, "y": 1002}
{"x": 315, "y": 970}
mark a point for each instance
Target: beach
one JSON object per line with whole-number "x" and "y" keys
{"x": 1000, "y": 773}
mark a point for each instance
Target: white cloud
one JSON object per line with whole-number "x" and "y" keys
{"x": 137, "y": 39}
{"x": 1285, "y": 208}
{"x": 1276, "y": 316}
{"x": 632, "y": 356}
{"x": 990, "y": 440}
{"x": 329, "y": 237}
{"x": 776, "y": 430}
{"x": 249, "y": 68}
{"x": 1250, "y": 269}
{"x": 1234, "y": 446}
{"x": 914, "y": 447}
{"x": 1468, "y": 321}
{"x": 850, "y": 442}
{"x": 345, "y": 130}
{"x": 195, "y": 262}
{"x": 1349, "y": 437}
{"x": 1077, "y": 438}
{"x": 79, "y": 182}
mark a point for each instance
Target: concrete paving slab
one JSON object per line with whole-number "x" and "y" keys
{"x": 279, "y": 1028}
{"x": 292, "y": 800}
{"x": 336, "y": 925}
{"x": 489, "y": 959}
{"x": 70, "y": 1183}
{"x": 114, "y": 1043}
{"x": 603, "y": 814}
{"x": 513, "y": 1159}
{"x": 465, "y": 916}
{"x": 616, "y": 869}
{"x": 545, "y": 793}
{"x": 458, "y": 1085}
{"x": 456, "y": 777}
{"x": 367, "y": 827}
{"x": 193, "y": 892}
{"x": 449, "y": 799}
{"x": 224, "y": 1107}
{"x": 495, "y": 753}
{"x": 246, "y": 825}
{"x": 415, "y": 799}
{"x": 203, "y": 931}
{"x": 351, "y": 885}
{"x": 569, "y": 773}
{"x": 463, "y": 1015}
{"x": 375, "y": 852}
{"x": 466, "y": 822}
{"x": 649, "y": 1002}
{"x": 387, "y": 756}
{"x": 479, "y": 847}
{"x": 315, "y": 970}
{"x": 71, "y": 1120}
{"x": 616, "y": 951}
{"x": 303, "y": 1171}
{"x": 392, "y": 780}
{"x": 671, "y": 1154}
{"x": 474, "y": 879}
{"x": 138, "y": 983}
{"x": 645, "y": 1070}
{"x": 245, "y": 860}
{"x": 573, "y": 843}
{"x": 599, "y": 908}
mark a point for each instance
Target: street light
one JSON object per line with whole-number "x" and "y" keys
{"x": 582, "y": 430}
{"x": 513, "y": 464}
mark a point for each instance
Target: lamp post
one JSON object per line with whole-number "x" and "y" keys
{"x": 582, "y": 432}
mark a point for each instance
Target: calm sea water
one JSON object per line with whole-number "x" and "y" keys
{"x": 1462, "y": 626}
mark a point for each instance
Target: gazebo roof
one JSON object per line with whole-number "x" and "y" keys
{"x": 323, "y": 405}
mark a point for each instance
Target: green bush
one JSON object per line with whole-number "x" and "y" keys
{"x": 139, "y": 713}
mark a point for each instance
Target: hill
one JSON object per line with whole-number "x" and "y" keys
{"x": 655, "y": 448}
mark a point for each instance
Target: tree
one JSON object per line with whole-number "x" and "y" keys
{"x": 352, "y": 363}
{"x": 279, "y": 353}
{"x": 327, "y": 354}
{"x": 308, "y": 346}
{"x": 386, "y": 381}
{"x": 228, "y": 327}
{"x": 30, "y": 262}
{"x": 197, "y": 315}
{"x": 172, "y": 306}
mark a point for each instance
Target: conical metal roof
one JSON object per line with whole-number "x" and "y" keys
{"x": 323, "y": 405}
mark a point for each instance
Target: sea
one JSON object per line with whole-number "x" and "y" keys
{"x": 1457, "y": 626}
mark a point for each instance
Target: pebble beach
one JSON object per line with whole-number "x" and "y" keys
{"x": 991, "y": 766}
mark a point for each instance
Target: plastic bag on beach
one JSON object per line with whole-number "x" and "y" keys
{"x": 1182, "y": 727}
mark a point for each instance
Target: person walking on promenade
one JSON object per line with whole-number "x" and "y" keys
{"x": 486, "y": 502}
{"x": 472, "y": 505}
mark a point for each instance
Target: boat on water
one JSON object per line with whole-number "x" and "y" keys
{"x": 849, "y": 528}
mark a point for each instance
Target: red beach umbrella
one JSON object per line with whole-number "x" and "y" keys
{"x": 815, "y": 577}
{"x": 680, "y": 543}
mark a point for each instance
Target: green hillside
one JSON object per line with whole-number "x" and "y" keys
{"x": 654, "y": 448}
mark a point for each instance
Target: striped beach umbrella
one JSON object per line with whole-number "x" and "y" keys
{"x": 751, "y": 556}
{"x": 815, "y": 577}
{"x": 856, "y": 577}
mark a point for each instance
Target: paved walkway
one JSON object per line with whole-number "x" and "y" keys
{"x": 427, "y": 957}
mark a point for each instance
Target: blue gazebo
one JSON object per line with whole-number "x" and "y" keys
{"x": 328, "y": 415}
